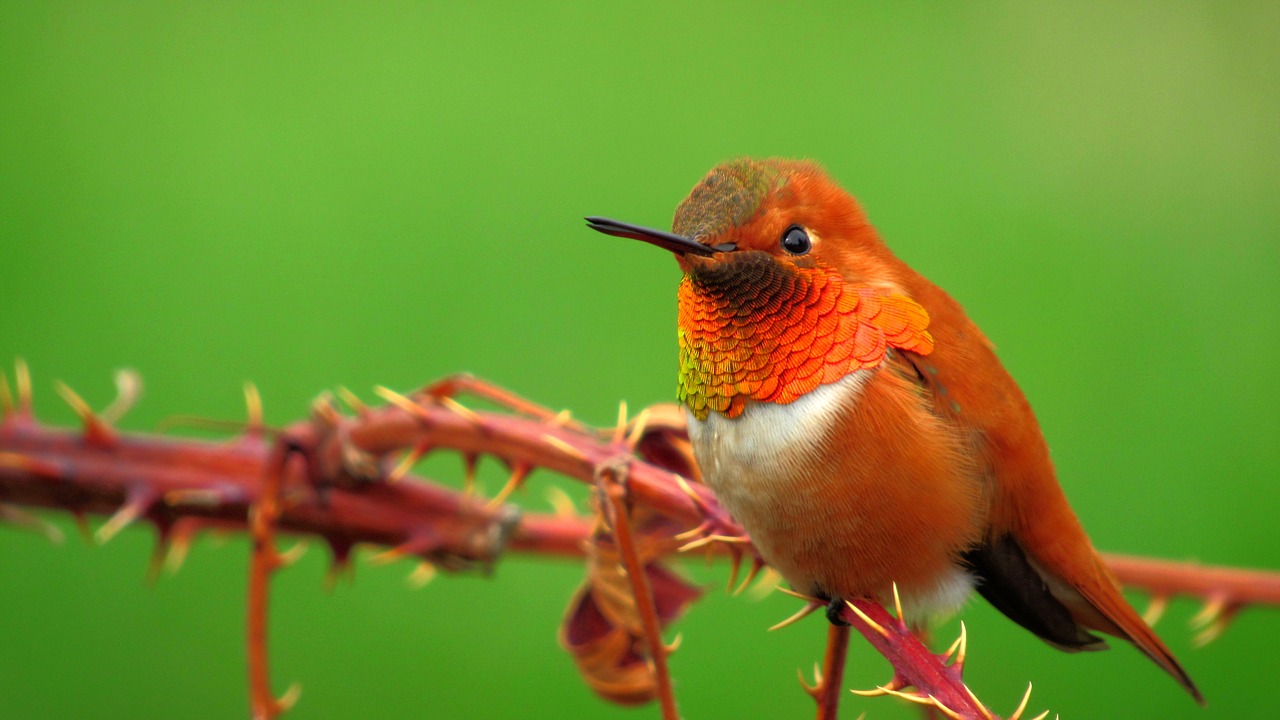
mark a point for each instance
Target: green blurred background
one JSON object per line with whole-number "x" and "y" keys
{"x": 311, "y": 195}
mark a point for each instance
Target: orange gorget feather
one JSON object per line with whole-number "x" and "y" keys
{"x": 753, "y": 328}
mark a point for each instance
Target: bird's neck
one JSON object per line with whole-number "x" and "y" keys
{"x": 752, "y": 328}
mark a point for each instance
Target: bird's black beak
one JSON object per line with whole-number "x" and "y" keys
{"x": 677, "y": 244}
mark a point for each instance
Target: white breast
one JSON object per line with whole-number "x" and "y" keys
{"x": 767, "y": 442}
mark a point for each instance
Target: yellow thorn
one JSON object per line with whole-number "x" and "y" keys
{"x": 128, "y": 390}
{"x": 564, "y": 447}
{"x": 401, "y": 402}
{"x": 515, "y": 482}
{"x": 386, "y": 557}
{"x": 77, "y": 403}
{"x": 469, "y": 462}
{"x": 870, "y": 623}
{"x": 293, "y": 554}
{"x": 700, "y": 529}
{"x": 700, "y": 542}
{"x": 119, "y": 521}
{"x": 637, "y": 430}
{"x": 620, "y": 429}
{"x": 253, "y": 407}
{"x": 945, "y": 710}
{"x": 751, "y": 575}
{"x": 1022, "y": 706}
{"x": 289, "y": 698}
{"x": 767, "y": 583}
{"x": 1212, "y": 631}
{"x": 964, "y": 645}
{"x": 562, "y": 418}
{"x": 794, "y": 594}
{"x": 561, "y": 504}
{"x": 981, "y": 708}
{"x": 688, "y": 490}
{"x": 421, "y": 575}
{"x": 176, "y": 556}
{"x": 877, "y": 691}
{"x": 460, "y": 409}
{"x": 406, "y": 464}
{"x": 675, "y": 643}
{"x": 1041, "y": 716}
{"x": 6, "y": 398}
{"x": 1209, "y": 612}
{"x": 35, "y": 523}
{"x": 805, "y": 611}
{"x": 897, "y": 603}
{"x": 1155, "y": 611}
{"x": 918, "y": 699}
{"x": 22, "y": 380}
{"x": 352, "y": 401}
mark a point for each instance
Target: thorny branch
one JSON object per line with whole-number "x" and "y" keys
{"x": 346, "y": 479}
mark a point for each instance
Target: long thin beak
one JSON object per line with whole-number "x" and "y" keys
{"x": 678, "y": 244}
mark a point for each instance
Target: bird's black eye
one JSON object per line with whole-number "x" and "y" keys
{"x": 796, "y": 241}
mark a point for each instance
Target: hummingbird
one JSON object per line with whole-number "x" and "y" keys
{"x": 849, "y": 414}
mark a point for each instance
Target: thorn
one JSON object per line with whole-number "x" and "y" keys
{"x": 693, "y": 532}
{"x": 675, "y": 643}
{"x": 518, "y": 474}
{"x": 767, "y": 583}
{"x": 1022, "y": 706}
{"x": 564, "y": 447}
{"x": 877, "y": 691}
{"x": 913, "y": 697}
{"x": 96, "y": 432}
{"x": 21, "y": 518}
{"x": 1041, "y": 716}
{"x": 6, "y": 397}
{"x": 734, "y": 569}
{"x": 560, "y": 502}
{"x": 289, "y": 698}
{"x": 866, "y": 619}
{"x": 22, "y": 382}
{"x": 562, "y": 418}
{"x": 402, "y": 402}
{"x": 158, "y": 553}
{"x": 413, "y": 546}
{"x": 955, "y": 645}
{"x": 964, "y": 646}
{"x": 179, "y": 546}
{"x": 253, "y": 409}
{"x": 136, "y": 503}
{"x": 752, "y": 574}
{"x": 421, "y": 575}
{"x": 469, "y": 463}
{"x": 620, "y": 429}
{"x": 323, "y": 409}
{"x": 816, "y": 688}
{"x": 352, "y": 401}
{"x": 978, "y": 703}
{"x": 82, "y": 525}
{"x": 1209, "y": 612}
{"x": 802, "y": 596}
{"x": 945, "y": 710}
{"x": 459, "y": 409}
{"x": 897, "y": 604}
{"x": 293, "y": 554}
{"x": 410, "y": 459}
{"x": 1216, "y": 627}
{"x": 694, "y": 545}
{"x": 1155, "y": 611}
{"x": 805, "y": 611}
{"x": 128, "y": 390}
{"x": 688, "y": 490}
{"x": 637, "y": 429}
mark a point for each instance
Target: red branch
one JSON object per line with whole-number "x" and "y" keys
{"x": 342, "y": 489}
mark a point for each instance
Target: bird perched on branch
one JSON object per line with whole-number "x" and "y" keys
{"x": 859, "y": 425}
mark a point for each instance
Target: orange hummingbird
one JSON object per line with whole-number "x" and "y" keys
{"x": 859, "y": 425}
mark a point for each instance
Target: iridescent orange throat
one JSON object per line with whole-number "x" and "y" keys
{"x": 752, "y": 327}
